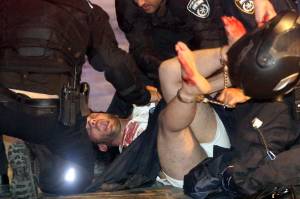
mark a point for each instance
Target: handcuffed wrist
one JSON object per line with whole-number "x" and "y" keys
{"x": 223, "y": 55}
{"x": 185, "y": 99}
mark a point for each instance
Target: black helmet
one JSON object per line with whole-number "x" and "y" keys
{"x": 265, "y": 63}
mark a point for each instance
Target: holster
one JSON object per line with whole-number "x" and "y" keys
{"x": 73, "y": 102}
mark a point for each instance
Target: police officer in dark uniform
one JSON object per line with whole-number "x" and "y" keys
{"x": 153, "y": 28}
{"x": 43, "y": 45}
{"x": 152, "y": 34}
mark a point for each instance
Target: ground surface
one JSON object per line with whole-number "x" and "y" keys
{"x": 157, "y": 193}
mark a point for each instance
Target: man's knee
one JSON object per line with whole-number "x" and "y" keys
{"x": 167, "y": 68}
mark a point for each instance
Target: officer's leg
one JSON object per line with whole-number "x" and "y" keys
{"x": 70, "y": 144}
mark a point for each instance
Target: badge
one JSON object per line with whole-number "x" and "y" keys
{"x": 246, "y": 6}
{"x": 199, "y": 8}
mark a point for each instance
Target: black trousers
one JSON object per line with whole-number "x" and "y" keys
{"x": 3, "y": 159}
{"x": 70, "y": 147}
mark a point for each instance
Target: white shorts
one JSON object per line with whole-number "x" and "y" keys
{"x": 221, "y": 139}
{"x": 167, "y": 180}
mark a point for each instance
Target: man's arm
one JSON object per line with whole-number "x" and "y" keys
{"x": 118, "y": 66}
{"x": 134, "y": 24}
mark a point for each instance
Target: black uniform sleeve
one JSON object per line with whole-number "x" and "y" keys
{"x": 135, "y": 25}
{"x": 204, "y": 20}
{"x": 118, "y": 66}
{"x": 211, "y": 33}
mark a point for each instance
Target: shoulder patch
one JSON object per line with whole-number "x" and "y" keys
{"x": 199, "y": 8}
{"x": 246, "y": 6}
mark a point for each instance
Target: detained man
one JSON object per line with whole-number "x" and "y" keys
{"x": 188, "y": 130}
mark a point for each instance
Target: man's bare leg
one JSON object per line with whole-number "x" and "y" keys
{"x": 178, "y": 144}
{"x": 171, "y": 81}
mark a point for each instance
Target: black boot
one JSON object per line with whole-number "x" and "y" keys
{"x": 4, "y": 186}
{"x": 23, "y": 183}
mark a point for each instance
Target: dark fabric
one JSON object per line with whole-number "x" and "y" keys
{"x": 68, "y": 143}
{"x": 279, "y": 131}
{"x": 3, "y": 158}
{"x": 205, "y": 180}
{"x": 152, "y": 36}
{"x": 42, "y": 41}
{"x": 52, "y": 170}
{"x": 138, "y": 165}
{"x": 252, "y": 170}
{"x": 119, "y": 107}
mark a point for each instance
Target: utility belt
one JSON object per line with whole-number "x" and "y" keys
{"x": 71, "y": 103}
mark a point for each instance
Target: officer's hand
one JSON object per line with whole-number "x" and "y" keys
{"x": 234, "y": 29}
{"x": 232, "y": 96}
{"x": 155, "y": 95}
{"x": 264, "y": 11}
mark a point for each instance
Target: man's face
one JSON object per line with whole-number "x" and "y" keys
{"x": 103, "y": 128}
{"x": 149, "y": 6}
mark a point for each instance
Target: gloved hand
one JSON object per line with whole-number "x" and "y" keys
{"x": 264, "y": 11}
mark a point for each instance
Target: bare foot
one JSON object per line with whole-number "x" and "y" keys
{"x": 190, "y": 73}
{"x": 234, "y": 29}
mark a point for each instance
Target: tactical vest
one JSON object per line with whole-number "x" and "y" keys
{"x": 41, "y": 42}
